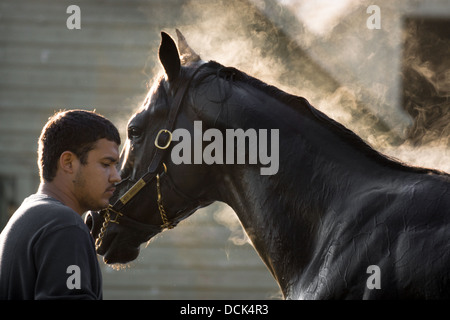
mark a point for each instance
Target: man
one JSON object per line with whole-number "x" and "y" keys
{"x": 46, "y": 251}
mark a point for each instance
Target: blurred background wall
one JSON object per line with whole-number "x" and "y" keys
{"x": 389, "y": 83}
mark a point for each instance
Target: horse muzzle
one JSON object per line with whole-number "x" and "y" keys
{"x": 117, "y": 236}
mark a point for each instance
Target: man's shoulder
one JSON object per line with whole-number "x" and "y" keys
{"x": 43, "y": 212}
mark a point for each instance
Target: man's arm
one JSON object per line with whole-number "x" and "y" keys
{"x": 66, "y": 265}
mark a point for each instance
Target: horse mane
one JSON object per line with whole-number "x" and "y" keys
{"x": 301, "y": 104}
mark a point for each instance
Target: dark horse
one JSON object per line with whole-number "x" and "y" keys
{"x": 335, "y": 220}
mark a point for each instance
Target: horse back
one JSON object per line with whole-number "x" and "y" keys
{"x": 422, "y": 246}
{"x": 409, "y": 229}
{"x": 401, "y": 230}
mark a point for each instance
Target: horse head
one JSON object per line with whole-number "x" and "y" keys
{"x": 154, "y": 194}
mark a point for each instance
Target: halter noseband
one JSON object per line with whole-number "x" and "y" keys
{"x": 114, "y": 212}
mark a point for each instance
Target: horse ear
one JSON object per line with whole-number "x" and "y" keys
{"x": 169, "y": 57}
{"x": 188, "y": 55}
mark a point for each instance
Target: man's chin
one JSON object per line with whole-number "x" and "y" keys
{"x": 99, "y": 206}
{"x": 104, "y": 203}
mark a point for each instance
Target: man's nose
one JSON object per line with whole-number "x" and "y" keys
{"x": 115, "y": 177}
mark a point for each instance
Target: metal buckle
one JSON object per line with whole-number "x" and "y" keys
{"x": 168, "y": 142}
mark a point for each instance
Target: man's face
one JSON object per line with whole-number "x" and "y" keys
{"x": 94, "y": 182}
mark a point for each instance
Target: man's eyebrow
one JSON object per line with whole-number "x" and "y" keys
{"x": 112, "y": 159}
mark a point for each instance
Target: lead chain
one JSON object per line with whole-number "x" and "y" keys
{"x": 162, "y": 212}
{"x": 99, "y": 240}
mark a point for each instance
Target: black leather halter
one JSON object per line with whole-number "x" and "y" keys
{"x": 114, "y": 213}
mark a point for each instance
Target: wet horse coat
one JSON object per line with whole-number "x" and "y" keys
{"x": 335, "y": 209}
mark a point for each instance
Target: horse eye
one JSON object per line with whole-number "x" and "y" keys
{"x": 134, "y": 132}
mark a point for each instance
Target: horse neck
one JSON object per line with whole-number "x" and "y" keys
{"x": 281, "y": 213}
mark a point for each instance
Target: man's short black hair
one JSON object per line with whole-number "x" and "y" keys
{"x": 74, "y": 130}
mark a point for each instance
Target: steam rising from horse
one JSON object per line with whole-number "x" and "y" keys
{"x": 335, "y": 208}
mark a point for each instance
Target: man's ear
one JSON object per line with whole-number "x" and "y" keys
{"x": 169, "y": 57}
{"x": 67, "y": 161}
